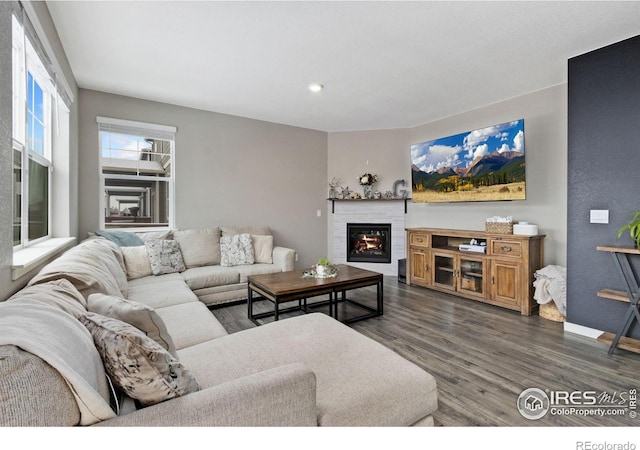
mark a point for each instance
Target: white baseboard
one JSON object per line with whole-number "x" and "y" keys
{"x": 582, "y": 330}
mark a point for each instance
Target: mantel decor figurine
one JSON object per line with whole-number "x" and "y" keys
{"x": 333, "y": 184}
{"x": 367, "y": 181}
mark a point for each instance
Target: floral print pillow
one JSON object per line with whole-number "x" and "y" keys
{"x": 136, "y": 363}
{"x": 165, "y": 256}
{"x": 236, "y": 250}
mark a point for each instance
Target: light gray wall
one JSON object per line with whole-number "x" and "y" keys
{"x": 229, "y": 171}
{"x": 545, "y": 120}
{"x": 6, "y": 177}
{"x": 380, "y": 152}
{"x": 7, "y": 286}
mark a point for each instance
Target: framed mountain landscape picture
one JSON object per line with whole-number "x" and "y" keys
{"x": 487, "y": 164}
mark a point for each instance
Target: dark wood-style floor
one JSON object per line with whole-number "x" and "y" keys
{"x": 484, "y": 356}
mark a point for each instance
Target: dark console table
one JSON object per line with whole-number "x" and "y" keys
{"x": 630, "y": 294}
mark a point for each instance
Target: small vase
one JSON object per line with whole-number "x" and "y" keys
{"x": 368, "y": 192}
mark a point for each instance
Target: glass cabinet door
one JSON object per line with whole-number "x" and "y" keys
{"x": 444, "y": 271}
{"x": 472, "y": 276}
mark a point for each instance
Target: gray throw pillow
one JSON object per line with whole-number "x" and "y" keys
{"x": 164, "y": 256}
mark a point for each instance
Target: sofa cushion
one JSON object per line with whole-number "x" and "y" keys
{"x": 162, "y": 234}
{"x": 155, "y": 279}
{"x": 161, "y": 294}
{"x": 231, "y": 230}
{"x": 143, "y": 317}
{"x": 217, "y": 295}
{"x": 202, "y": 277}
{"x": 199, "y": 247}
{"x": 65, "y": 344}
{"x": 59, "y": 293}
{"x": 32, "y": 393}
{"x": 121, "y": 238}
{"x": 360, "y": 382}
{"x": 136, "y": 363}
{"x": 262, "y": 248}
{"x": 164, "y": 256}
{"x": 255, "y": 269}
{"x": 236, "y": 250}
{"x": 136, "y": 260}
{"x": 190, "y": 324}
{"x": 119, "y": 271}
{"x": 91, "y": 266}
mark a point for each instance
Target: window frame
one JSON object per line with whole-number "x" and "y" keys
{"x": 142, "y": 130}
{"x": 27, "y": 62}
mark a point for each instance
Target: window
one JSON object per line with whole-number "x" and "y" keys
{"x": 35, "y": 106}
{"x": 41, "y": 100}
{"x": 137, "y": 174}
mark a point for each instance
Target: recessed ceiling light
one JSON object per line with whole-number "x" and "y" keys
{"x": 315, "y": 87}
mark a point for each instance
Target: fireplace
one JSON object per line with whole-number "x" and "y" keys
{"x": 369, "y": 242}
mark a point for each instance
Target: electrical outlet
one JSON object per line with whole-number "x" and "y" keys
{"x": 319, "y": 213}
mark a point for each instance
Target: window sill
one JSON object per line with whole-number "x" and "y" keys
{"x": 29, "y": 258}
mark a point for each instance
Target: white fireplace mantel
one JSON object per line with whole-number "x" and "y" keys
{"x": 370, "y": 211}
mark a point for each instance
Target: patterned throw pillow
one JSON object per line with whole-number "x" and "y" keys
{"x": 136, "y": 363}
{"x": 236, "y": 250}
{"x": 164, "y": 256}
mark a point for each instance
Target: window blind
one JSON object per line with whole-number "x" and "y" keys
{"x": 148, "y": 130}
{"x": 41, "y": 46}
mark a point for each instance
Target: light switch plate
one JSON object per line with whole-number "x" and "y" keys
{"x": 599, "y": 216}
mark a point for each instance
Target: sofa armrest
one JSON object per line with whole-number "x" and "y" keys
{"x": 284, "y": 258}
{"x": 283, "y": 396}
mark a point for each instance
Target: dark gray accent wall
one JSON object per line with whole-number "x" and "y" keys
{"x": 603, "y": 163}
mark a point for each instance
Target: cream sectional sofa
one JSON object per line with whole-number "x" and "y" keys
{"x": 210, "y": 281}
{"x": 82, "y": 345}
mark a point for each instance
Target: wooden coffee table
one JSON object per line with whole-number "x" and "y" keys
{"x": 285, "y": 287}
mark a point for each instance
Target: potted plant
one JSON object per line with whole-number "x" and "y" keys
{"x": 324, "y": 268}
{"x": 634, "y": 229}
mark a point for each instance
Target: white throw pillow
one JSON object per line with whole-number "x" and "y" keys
{"x": 262, "y": 248}
{"x": 141, "y": 316}
{"x": 200, "y": 247}
{"x": 236, "y": 250}
{"x": 136, "y": 260}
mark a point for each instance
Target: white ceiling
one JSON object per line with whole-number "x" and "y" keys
{"x": 383, "y": 64}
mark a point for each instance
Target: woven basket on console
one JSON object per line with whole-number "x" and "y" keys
{"x": 550, "y": 311}
{"x": 499, "y": 227}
